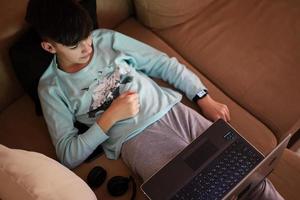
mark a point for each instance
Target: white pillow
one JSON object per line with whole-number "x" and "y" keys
{"x": 30, "y": 176}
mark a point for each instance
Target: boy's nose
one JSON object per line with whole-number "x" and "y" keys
{"x": 86, "y": 46}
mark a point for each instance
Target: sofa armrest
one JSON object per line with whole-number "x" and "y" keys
{"x": 286, "y": 176}
{"x": 295, "y": 131}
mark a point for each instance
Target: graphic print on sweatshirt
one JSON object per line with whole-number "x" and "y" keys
{"x": 106, "y": 90}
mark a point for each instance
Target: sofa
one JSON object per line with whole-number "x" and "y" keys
{"x": 245, "y": 52}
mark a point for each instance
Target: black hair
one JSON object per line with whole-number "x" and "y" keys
{"x": 63, "y": 21}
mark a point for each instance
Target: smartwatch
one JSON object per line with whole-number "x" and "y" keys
{"x": 201, "y": 94}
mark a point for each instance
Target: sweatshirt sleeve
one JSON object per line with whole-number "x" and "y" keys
{"x": 72, "y": 149}
{"x": 158, "y": 65}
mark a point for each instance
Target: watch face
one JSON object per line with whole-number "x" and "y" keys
{"x": 201, "y": 94}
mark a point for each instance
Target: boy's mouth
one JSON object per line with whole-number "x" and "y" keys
{"x": 86, "y": 56}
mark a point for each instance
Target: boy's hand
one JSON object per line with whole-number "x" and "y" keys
{"x": 213, "y": 110}
{"x": 123, "y": 107}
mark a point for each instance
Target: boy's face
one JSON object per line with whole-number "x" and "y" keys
{"x": 70, "y": 56}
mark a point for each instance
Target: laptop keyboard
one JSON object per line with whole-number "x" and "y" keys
{"x": 220, "y": 176}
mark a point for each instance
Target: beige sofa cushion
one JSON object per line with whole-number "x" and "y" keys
{"x": 20, "y": 128}
{"x": 250, "y": 51}
{"x": 160, "y": 14}
{"x": 30, "y": 176}
{"x": 111, "y": 13}
{"x": 251, "y": 128}
{"x": 11, "y": 23}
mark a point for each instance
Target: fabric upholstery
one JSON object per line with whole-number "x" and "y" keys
{"x": 167, "y": 13}
{"x": 29, "y": 68}
{"x": 112, "y": 13}
{"x": 250, "y": 50}
{"x": 113, "y": 168}
{"x": 12, "y": 25}
{"x": 257, "y": 133}
{"x": 21, "y": 128}
{"x": 32, "y": 176}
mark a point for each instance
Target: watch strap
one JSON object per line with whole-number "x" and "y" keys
{"x": 201, "y": 94}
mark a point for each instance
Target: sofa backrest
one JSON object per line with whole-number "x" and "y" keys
{"x": 113, "y": 12}
{"x": 12, "y": 24}
{"x": 109, "y": 12}
{"x": 250, "y": 50}
{"x": 161, "y": 14}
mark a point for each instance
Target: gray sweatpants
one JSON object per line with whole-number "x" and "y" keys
{"x": 149, "y": 151}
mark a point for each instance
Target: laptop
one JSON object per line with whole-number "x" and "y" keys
{"x": 219, "y": 164}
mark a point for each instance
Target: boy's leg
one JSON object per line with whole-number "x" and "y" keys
{"x": 265, "y": 191}
{"x": 149, "y": 151}
{"x": 186, "y": 122}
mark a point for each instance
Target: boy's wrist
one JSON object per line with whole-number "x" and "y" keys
{"x": 105, "y": 122}
{"x": 204, "y": 101}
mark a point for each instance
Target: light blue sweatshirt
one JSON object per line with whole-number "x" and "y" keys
{"x": 119, "y": 64}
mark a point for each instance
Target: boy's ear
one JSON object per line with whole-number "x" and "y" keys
{"x": 47, "y": 46}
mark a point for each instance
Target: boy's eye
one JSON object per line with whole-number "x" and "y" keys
{"x": 73, "y": 47}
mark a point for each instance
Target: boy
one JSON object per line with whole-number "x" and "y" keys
{"x": 100, "y": 78}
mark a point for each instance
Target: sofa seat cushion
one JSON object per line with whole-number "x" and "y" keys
{"x": 113, "y": 168}
{"x": 21, "y": 128}
{"x": 250, "y": 50}
{"x": 286, "y": 176}
{"x": 31, "y": 176}
{"x": 251, "y": 128}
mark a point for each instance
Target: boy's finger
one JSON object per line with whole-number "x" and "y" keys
{"x": 126, "y": 93}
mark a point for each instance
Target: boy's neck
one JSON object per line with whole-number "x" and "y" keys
{"x": 72, "y": 68}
